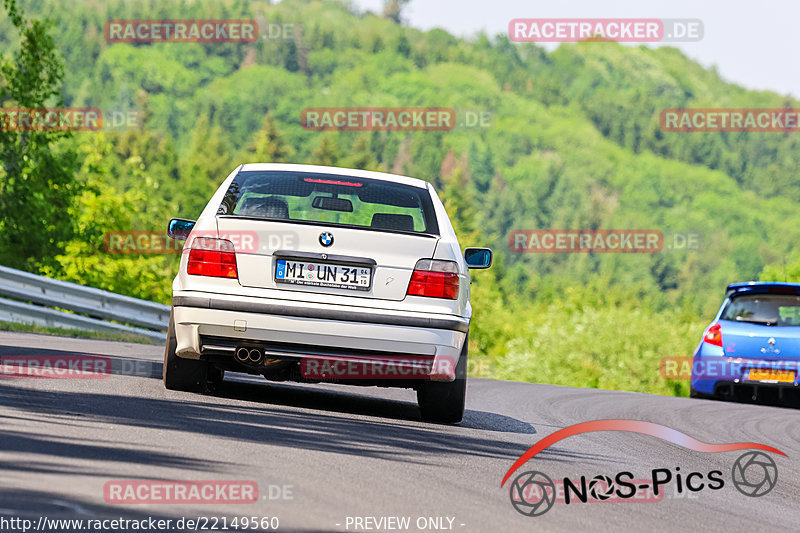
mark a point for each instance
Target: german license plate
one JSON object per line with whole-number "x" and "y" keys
{"x": 356, "y": 278}
{"x": 770, "y": 374}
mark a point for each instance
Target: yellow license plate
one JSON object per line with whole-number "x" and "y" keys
{"x": 783, "y": 376}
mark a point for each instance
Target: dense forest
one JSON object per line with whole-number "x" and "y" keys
{"x": 573, "y": 141}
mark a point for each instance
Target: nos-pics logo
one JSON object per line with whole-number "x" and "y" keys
{"x": 533, "y": 493}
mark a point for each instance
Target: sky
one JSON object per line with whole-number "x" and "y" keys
{"x": 752, "y": 44}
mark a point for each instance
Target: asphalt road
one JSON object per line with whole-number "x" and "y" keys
{"x": 323, "y": 456}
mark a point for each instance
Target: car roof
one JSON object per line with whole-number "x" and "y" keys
{"x": 781, "y": 287}
{"x": 356, "y": 173}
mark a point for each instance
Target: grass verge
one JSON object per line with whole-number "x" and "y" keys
{"x": 82, "y": 334}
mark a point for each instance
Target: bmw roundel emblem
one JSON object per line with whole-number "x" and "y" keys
{"x": 326, "y": 238}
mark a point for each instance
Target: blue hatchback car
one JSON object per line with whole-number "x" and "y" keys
{"x": 751, "y": 351}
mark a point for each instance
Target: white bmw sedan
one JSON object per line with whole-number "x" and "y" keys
{"x": 323, "y": 274}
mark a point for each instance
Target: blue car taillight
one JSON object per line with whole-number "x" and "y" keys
{"x": 713, "y": 335}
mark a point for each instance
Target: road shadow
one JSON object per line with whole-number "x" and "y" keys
{"x": 256, "y": 411}
{"x": 323, "y": 423}
{"x": 251, "y": 388}
{"x": 350, "y": 401}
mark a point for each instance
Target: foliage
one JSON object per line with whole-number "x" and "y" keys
{"x": 99, "y": 209}
{"x": 36, "y": 175}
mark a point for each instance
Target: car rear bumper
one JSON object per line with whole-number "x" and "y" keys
{"x": 756, "y": 391}
{"x": 728, "y": 376}
{"x": 206, "y": 323}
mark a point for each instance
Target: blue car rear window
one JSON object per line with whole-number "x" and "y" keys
{"x": 764, "y": 309}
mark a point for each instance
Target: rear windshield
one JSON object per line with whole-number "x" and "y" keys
{"x": 766, "y": 309}
{"x": 330, "y": 200}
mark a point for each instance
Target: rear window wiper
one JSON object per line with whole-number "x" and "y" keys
{"x": 761, "y": 322}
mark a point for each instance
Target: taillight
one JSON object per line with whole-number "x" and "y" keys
{"x": 435, "y": 279}
{"x": 714, "y": 335}
{"x": 212, "y": 257}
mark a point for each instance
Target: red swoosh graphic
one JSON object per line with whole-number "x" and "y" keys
{"x": 634, "y": 426}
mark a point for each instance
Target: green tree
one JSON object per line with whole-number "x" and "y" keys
{"x": 327, "y": 152}
{"x": 459, "y": 198}
{"x": 36, "y": 176}
{"x": 481, "y": 167}
{"x": 268, "y": 145}
{"x": 100, "y": 209}
{"x": 207, "y": 162}
{"x": 361, "y": 155}
{"x": 782, "y": 272}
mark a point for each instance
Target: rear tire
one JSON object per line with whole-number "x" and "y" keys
{"x": 188, "y": 375}
{"x": 443, "y": 402}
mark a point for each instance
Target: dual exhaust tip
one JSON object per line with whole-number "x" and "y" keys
{"x": 249, "y": 355}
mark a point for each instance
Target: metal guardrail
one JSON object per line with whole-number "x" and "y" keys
{"x": 98, "y": 304}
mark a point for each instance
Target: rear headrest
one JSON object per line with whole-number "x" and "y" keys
{"x": 270, "y": 207}
{"x": 392, "y": 221}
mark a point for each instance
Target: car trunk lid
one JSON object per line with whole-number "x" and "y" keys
{"x": 755, "y": 341}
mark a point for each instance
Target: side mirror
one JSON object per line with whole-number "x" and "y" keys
{"x": 180, "y": 228}
{"x": 478, "y": 257}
